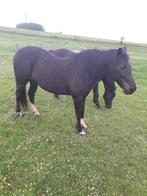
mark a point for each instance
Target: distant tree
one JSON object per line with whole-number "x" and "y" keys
{"x": 121, "y": 40}
{"x": 31, "y": 26}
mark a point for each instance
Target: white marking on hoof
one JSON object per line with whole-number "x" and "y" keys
{"x": 83, "y": 123}
{"x": 82, "y": 133}
{"x": 34, "y": 110}
{"x": 36, "y": 113}
{"x": 18, "y": 114}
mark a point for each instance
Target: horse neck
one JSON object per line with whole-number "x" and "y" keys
{"x": 97, "y": 63}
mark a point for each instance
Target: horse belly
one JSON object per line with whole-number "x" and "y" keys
{"x": 57, "y": 85}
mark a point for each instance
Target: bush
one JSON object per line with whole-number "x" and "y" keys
{"x": 31, "y": 26}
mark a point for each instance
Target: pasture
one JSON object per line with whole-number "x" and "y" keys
{"x": 43, "y": 155}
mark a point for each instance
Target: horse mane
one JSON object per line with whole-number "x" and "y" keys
{"x": 89, "y": 56}
{"x": 91, "y": 59}
{"x": 92, "y": 54}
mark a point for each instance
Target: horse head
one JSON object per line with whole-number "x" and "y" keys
{"x": 121, "y": 71}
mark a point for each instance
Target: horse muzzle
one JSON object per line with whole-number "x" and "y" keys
{"x": 129, "y": 88}
{"x": 130, "y": 91}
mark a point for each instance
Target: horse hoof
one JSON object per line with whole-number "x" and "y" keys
{"x": 97, "y": 106}
{"x": 108, "y": 106}
{"x": 82, "y": 134}
{"x": 36, "y": 113}
{"x": 19, "y": 114}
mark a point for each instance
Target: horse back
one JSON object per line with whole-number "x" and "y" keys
{"x": 54, "y": 74}
{"x": 62, "y": 52}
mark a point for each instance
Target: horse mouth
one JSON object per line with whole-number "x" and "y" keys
{"x": 127, "y": 88}
{"x": 127, "y": 92}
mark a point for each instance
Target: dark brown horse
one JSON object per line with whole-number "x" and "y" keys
{"x": 73, "y": 75}
{"x": 109, "y": 84}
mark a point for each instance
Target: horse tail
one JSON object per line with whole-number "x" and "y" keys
{"x": 23, "y": 99}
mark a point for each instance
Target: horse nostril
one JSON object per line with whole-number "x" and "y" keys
{"x": 132, "y": 90}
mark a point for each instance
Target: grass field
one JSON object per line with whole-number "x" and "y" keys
{"x": 43, "y": 156}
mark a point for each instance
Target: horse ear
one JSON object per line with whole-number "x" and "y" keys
{"x": 121, "y": 51}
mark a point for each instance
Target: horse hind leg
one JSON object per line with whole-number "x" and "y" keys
{"x": 20, "y": 99}
{"x": 31, "y": 94}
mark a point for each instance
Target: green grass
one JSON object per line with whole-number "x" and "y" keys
{"x": 44, "y": 156}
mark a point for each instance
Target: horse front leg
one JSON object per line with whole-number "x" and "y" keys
{"x": 79, "y": 104}
{"x": 96, "y": 95}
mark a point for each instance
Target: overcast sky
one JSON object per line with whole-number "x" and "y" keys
{"x": 108, "y": 19}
